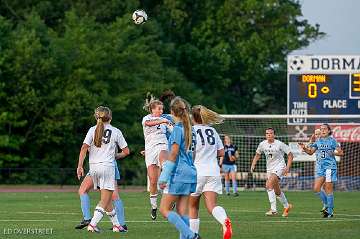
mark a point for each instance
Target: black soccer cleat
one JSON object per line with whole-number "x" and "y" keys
{"x": 323, "y": 210}
{"x": 153, "y": 213}
{"x": 196, "y": 236}
{"x": 83, "y": 223}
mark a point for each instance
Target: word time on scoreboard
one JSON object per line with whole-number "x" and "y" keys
{"x": 323, "y": 85}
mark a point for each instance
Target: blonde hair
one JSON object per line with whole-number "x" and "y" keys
{"x": 203, "y": 115}
{"x": 151, "y": 102}
{"x": 180, "y": 109}
{"x": 102, "y": 115}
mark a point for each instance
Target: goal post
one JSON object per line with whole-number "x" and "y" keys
{"x": 247, "y": 131}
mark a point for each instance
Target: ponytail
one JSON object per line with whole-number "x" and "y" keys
{"x": 102, "y": 115}
{"x": 180, "y": 109}
{"x": 203, "y": 115}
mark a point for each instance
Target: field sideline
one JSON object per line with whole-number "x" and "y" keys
{"x": 60, "y": 212}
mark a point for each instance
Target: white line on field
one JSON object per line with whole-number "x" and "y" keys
{"x": 163, "y": 221}
{"x": 305, "y": 213}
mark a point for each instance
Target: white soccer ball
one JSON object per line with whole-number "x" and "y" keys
{"x": 139, "y": 16}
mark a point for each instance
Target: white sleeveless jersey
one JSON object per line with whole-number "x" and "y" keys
{"x": 106, "y": 153}
{"x": 207, "y": 144}
{"x": 154, "y": 134}
{"x": 274, "y": 153}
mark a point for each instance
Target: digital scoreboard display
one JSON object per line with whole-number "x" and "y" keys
{"x": 323, "y": 85}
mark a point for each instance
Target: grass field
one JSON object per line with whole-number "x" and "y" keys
{"x": 60, "y": 212}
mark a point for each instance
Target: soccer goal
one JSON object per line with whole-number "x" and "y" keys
{"x": 247, "y": 131}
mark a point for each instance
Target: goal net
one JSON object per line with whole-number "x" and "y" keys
{"x": 247, "y": 131}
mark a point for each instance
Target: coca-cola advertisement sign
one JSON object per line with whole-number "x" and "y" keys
{"x": 346, "y": 133}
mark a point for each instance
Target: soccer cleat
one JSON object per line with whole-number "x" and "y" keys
{"x": 92, "y": 228}
{"x": 236, "y": 194}
{"x": 153, "y": 213}
{"x": 122, "y": 228}
{"x": 227, "y": 229}
{"x": 83, "y": 223}
{"x": 323, "y": 210}
{"x": 196, "y": 236}
{"x": 287, "y": 210}
{"x": 327, "y": 215}
{"x": 228, "y": 194}
{"x": 118, "y": 228}
{"x": 271, "y": 213}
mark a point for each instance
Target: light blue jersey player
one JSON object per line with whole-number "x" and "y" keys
{"x": 178, "y": 177}
{"x": 326, "y": 149}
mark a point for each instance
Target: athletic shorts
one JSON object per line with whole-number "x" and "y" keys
{"x": 278, "y": 171}
{"x": 152, "y": 155}
{"x": 329, "y": 174}
{"x": 228, "y": 168}
{"x": 117, "y": 172}
{"x": 208, "y": 184}
{"x": 180, "y": 188}
{"x": 103, "y": 177}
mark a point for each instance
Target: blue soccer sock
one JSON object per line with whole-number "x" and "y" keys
{"x": 323, "y": 197}
{"x": 227, "y": 186}
{"x": 186, "y": 219}
{"x": 85, "y": 206}
{"x": 119, "y": 208}
{"x": 180, "y": 225}
{"x": 234, "y": 182}
{"x": 330, "y": 203}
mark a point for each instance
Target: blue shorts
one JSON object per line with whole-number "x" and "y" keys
{"x": 228, "y": 168}
{"x": 329, "y": 174}
{"x": 180, "y": 188}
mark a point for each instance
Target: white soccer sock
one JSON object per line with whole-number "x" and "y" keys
{"x": 219, "y": 214}
{"x": 153, "y": 201}
{"x": 113, "y": 218}
{"x": 283, "y": 200}
{"x": 272, "y": 199}
{"x": 195, "y": 225}
{"x": 98, "y": 215}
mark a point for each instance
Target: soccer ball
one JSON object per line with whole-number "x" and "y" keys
{"x": 296, "y": 63}
{"x": 139, "y": 16}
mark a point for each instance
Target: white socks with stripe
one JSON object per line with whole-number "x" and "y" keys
{"x": 195, "y": 225}
{"x": 113, "y": 218}
{"x": 283, "y": 200}
{"x": 98, "y": 215}
{"x": 219, "y": 214}
{"x": 272, "y": 199}
{"x": 153, "y": 201}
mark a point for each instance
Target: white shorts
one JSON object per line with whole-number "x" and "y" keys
{"x": 278, "y": 171}
{"x": 152, "y": 155}
{"x": 208, "y": 184}
{"x": 103, "y": 177}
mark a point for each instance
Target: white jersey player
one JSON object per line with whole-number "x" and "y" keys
{"x": 155, "y": 127}
{"x": 208, "y": 148}
{"x": 101, "y": 142}
{"x": 276, "y": 167}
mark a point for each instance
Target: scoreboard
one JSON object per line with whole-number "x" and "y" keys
{"x": 323, "y": 85}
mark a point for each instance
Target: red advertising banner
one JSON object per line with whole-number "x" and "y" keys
{"x": 346, "y": 133}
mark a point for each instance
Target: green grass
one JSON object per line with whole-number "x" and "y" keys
{"x": 62, "y": 212}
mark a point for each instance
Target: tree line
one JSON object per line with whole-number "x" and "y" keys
{"x": 61, "y": 59}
